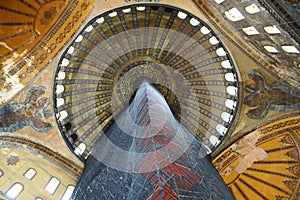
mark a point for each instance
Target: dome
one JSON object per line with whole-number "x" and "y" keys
{"x": 170, "y": 48}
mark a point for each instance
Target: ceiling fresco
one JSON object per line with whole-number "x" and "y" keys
{"x": 258, "y": 156}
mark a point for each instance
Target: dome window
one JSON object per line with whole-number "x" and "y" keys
{"x": 205, "y": 30}
{"x": 127, "y": 10}
{"x": 89, "y": 28}
{"x": 30, "y": 174}
{"x": 234, "y": 15}
{"x": 221, "y": 129}
{"x": 63, "y": 115}
{"x": 181, "y": 15}
{"x": 214, "y": 140}
{"x": 252, "y": 9}
{"x": 52, "y": 185}
{"x": 231, "y": 90}
{"x": 230, "y": 104}
{"x": 141, "y": 8}
{"x": 213, "y": 40}
{"x": 230, "y": 77}
{"x": 113, "y": 14}
{"x": 194, "y": 22}
{"x": 272, "y": 29}
{"x": 60, "y": 89}
{"x": 290, "y": 49}
{"x": 221, "y": 52}
{"x": 226, "y": 64}
{"x": 60, "y": 102}
{"x": 80, "y": 149}
{"x": 79, "y": 38}
{"x": 271, "y": 49}
{"x": 68, "y": 193}
{"x": 226, "y": 117}
{"x": 100, "y": 20}
{"x": 15, "y": 191}
{"x": 65, "y": 62}
{"x": 61, "y": 75}
{"x": 219, "y": 1}
{"x": 251, "y": 30}
{"x": 71, "y": 50}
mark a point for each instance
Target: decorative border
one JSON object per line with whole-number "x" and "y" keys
{"x": 238, "y": 136}
{"x": 40, "y": 150}
{"x": 290, "y": 120}
{"x": 74, "y": 13}
{"x": 269, "y": 130}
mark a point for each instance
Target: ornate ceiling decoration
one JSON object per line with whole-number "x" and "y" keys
{"x": 116, "y": 51}
{"x": 259, "y": 34}
{"x": 265, "y": 163}
{"x": 287, "y": 13}
{"x": 31, "y": 166}
{"x": 34, "y": 32}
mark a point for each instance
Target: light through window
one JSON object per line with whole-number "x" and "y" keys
{"x": 68, "y": 193}
{"x": 15, "y": 191}
{"x": 251, "y": 30}
{"x": 52, "y": 185}
{"x": 30, "y": 174}
{"x": 234, "y": 15}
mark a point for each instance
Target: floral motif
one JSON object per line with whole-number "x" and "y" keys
{"x": 13, "y": 160}
{"x": 264, "y": 97}
{"x": 48, "y": 15}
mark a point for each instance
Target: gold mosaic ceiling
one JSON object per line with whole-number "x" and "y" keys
{"x": 33, "y": 31}
{"x": 265, "y": 163}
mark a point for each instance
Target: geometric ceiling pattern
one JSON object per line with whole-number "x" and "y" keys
{"x": 264, "y": 163}
{"x": 116, "y": 51}
{"x": 259, "y": 159}
{"x": 31, "y": 33}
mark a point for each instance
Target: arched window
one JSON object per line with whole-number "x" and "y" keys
{"x": 80, "y": 149}
{"x": 30, "y": 173}
{"x": 52, "y": 185}
{"x": 15, "y": 191}
{"x": 68, "y": 193}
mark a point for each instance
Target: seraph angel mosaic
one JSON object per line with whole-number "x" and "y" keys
{"x": 264, "y": 97}
{"x": 32, "y": 112}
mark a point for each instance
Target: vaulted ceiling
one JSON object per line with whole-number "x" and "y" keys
{"x": 256, "y": 145}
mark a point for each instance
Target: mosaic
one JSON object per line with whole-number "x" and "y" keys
{"x": 32, "y": 112}
{"x": 13, "y": 160}
{"x": 265, "y": 163}
{"x": 34, "y": 32}
{"x": 284, "y": 65}
{"x": 264, "y": 97}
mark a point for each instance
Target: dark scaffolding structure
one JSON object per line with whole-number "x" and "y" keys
{"x": 148, "y": 154}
